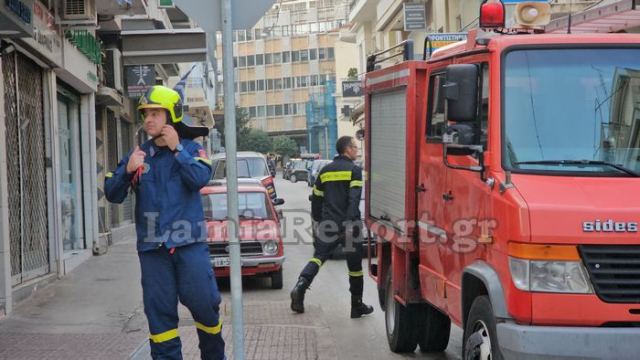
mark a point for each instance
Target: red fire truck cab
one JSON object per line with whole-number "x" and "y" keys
{"x": 503, "y": 189}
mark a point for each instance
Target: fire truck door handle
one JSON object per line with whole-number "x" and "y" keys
{"x": 447, "y": 196}
{"x": 420, "y": 188}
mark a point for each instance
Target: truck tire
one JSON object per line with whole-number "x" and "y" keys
{"x": 401, "y": 322}
{"x": 480, "y": 341}
{"x": 435, "y": 331}
{"x": 293, "y": 178}
{"x": 276, "y": 280}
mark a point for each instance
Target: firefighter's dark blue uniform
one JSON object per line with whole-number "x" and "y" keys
{"x": 172, "y": 246}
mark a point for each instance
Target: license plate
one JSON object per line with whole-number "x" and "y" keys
{"x": 221, "y": 262}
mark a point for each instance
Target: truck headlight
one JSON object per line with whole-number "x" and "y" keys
{"x": 550, "y": 276}
{"x": 270, "y": 247}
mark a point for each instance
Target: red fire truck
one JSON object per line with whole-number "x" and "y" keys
{"x": 504, "y": 192}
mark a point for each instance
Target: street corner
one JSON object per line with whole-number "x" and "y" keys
{"x": 271, "y": 331}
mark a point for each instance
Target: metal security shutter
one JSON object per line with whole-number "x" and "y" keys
{"x": 127, "y": 145}
{"x": 29, "y": 240}
{"x": 388, "y": 159}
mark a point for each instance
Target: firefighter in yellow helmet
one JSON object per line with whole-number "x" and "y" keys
{"x": 167, "y": 173}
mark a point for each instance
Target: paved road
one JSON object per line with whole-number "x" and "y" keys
{"x": 354, "y": 339}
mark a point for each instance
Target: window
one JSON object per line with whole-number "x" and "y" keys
{"x": 484, "y": 110}
{"x": 295, "y": 56}
{"x": 278, "y": 110}
{"x": 261, "y": 111}
{"x": 252, "y": 112}
{"x": 323, "y": 79}
{"x": 322, "y": 53}
{"x": 286, "y": 56}
{"x": 257, "y": 33}
{"x": 268, "y": 59}
{"x": 260, "y": 59}
{"x": 314, "y": 27}
{"x": 288, "y": 83}
{"x": 252, "y": 85}
{"x": 301, "y": 81}
{"x": 269, "y": 84}
{"x": 286, "y": 109}
{"x": 276, "y": 58}
{"x": 301, "y": 108}
{"x": 241, "y": 35}
{"x": 242, "y": 61}
{"x": 235, "y": 61}
{"x": 243, "y": 87}
{"x": 313, "y": 80}
{"x": 313, "y": 54}
{"x": 436, "y": 123}
{"x": 277, "y": 84}
{"x": 271, "y": 110}
{"x": 331, "y": 53}
{"x": 304, "y": 55}
{"x": 251, "y": 60}
{"x": 260, "y": 85}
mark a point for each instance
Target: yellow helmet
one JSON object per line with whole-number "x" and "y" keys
{"x": 162, "y": 97}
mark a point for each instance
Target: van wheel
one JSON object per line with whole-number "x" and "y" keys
{"x": 480, "y": 339}
{"x": 435, "y": 331}
{"x": 293, "y": 178}
{"x": 401, "y": 322}
{"x": 276, "y": 280}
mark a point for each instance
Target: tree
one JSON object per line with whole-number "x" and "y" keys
{"x": 242, "y": 125}
{"x": 285, "y": 146}
{"x": 255, "y": 140}
{"x": 352, "y": 74}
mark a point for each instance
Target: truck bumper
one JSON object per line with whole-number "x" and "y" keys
{"x": 544, "y": 342}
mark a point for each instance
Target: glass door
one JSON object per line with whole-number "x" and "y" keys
{"x": 70, "y": 184}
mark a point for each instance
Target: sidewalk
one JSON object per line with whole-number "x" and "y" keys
{"x": 96, "y": 313}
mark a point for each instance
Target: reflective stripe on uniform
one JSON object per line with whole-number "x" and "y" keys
{"x": 204, "y": 160}
{"x": 108, "y": 175}
{"x": 335, "y": 176}
{"x": 317, "y": 192}
{"x": 356, "y": 273}
{"x": 355, "y": 183}
{"x": 165, "y": 336}
{"x": 213, "y": 330}
{"x": 316, "y": 261}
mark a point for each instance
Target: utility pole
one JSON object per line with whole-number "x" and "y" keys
{"x": 232, "y": 179}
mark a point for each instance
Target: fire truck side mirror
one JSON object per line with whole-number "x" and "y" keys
{"x": 461, "y": 91}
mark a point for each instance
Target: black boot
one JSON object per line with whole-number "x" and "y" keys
{"x": 358, "y": 308}
{"x": 297, "y": 295}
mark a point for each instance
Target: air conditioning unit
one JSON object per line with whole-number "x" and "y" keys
{"x": 113, "y": 69}
{"x": 78, "y": 10}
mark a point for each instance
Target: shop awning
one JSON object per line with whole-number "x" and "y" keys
{"x": 609, "y": 16}
{"x": 141, "y": 47}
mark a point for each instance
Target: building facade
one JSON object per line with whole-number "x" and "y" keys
{"x": 66, "y": 118}
{"x": 287, "y": 55}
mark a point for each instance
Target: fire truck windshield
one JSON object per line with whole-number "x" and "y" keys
{"x": 572, "y": 111}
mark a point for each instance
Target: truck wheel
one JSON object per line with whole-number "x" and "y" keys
{"x": 401, "y": 322}
{"x": 480, "y": 340}
{"x": 293, "y": 178}
{"x": 435, "y": 331}
{"x": 276, "y": 280}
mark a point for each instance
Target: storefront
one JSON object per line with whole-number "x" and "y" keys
{"x": 70, "y": 169}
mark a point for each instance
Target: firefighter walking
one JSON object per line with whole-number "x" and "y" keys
{"x": 166, "y": 173}
{"x": 335, "y": 209}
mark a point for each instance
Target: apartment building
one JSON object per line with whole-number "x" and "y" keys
{"x": 286, "y": 56}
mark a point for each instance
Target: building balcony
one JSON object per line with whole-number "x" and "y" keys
{"x": 362, "y": 11}
{"x": 120, "y": 7}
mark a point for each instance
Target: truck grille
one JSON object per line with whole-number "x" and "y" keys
{"x": 614, "y": 271}
{"x": 247, "y": 248}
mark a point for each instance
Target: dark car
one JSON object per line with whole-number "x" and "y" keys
{"x": 316, "y": 166}
{"x": 250, "y": 165}
{"x": 297, "y": 170}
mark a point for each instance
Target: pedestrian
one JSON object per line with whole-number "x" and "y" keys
{"x": 166, "y": 173}
{"x": 335, "y": 209}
